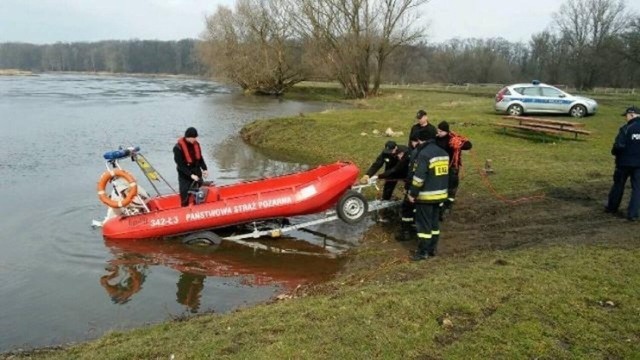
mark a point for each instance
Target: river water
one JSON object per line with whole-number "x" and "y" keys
{"x": 60, "y": 281}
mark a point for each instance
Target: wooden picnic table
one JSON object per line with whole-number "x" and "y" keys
{"x": 547, "y": 126}
{"x": 560, "y": 123}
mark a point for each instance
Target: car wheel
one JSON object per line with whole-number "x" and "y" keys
{"x": 578, "y": 111}
{"x": 515, "y": 110}
{"x": 352, "y": 207}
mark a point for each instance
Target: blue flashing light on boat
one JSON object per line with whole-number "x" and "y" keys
{"x": 121, "y": 154}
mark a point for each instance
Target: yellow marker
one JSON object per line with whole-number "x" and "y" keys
{"x": 147, "y": 168}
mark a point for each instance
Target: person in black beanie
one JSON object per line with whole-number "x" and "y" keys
{"x": 189, "y": 163}
{"x": 453, "y": 144}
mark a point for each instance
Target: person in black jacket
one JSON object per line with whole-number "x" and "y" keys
{"x": 626, "y": 150}
{"x": 189, "y": 163}
{"x": 395, "y": 165}
{"x": 422, "y": 124}
{"x": 453, "y": 144}
{"x": 408, "y": 208}
{"x": 428, "y": 190}
{"x": 399, "y": 170}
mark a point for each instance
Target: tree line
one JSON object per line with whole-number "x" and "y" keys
{"x": 267, "y": 46}
{"x": 132, "y": 56}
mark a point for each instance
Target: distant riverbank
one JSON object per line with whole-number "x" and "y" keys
{"x": 17, "y": 72}
{"x": 14, "y": 72}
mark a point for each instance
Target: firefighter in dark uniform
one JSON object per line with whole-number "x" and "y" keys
{"x": 389, "y": 158}
{"x": 626, "y": 149}
{"x": 407, "y": 209}
{"x": 428, "y": 190}
{"x": 453, "y": 144}
{"x": 398, "y": 171}
{"x": 423, "y": 123}
{"x": 189, "y": 163}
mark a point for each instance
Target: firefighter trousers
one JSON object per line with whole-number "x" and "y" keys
{"x": 427, "y": 228}
{"x": 620, "y": 176}
{"x": 387, "y": 189}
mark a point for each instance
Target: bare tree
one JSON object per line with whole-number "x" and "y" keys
{"x": 631, "y": 42}
{"x": 587, "y": 27}
{"x": 352, "y": 39}
{"x": 548, "y": 56}
{"x": 398, "y": 28}
{"x": 254, "y": 46}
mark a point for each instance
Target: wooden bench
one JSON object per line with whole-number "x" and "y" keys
{"x": 546, "y": 126}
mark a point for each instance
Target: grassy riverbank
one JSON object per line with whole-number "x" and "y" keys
{"x": 550, "y": 278}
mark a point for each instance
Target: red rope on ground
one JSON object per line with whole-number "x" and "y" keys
{"x": 502, "y": 198}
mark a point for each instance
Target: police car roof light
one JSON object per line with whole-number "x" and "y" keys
{"x": 536, "y": 82}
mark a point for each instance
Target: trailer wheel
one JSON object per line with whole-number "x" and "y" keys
{"x": 352, "y": 207}
{"x": 202, "y": 238}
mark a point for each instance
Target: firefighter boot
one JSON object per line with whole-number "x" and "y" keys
{"x": 421, "y": 252}
{"x": 406, "y": 233}
{"x": 432, "y": 245}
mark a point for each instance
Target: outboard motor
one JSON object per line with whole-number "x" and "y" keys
{"x": 199, "y": 192}
{"x": 201, "y": 195}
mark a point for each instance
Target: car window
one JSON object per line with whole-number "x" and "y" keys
{"x": 519, "y": 90}
{"x": 531, "y": 91}
{"x": 551, "y": 92}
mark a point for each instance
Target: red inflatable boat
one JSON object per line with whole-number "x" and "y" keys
{"x": 140, "y": 216}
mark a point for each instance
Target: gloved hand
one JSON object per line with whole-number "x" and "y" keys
{"x": 364, "y": 180}
{"x": 374, "y": 178}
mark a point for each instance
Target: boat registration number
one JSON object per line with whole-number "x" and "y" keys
{"x": 166, "y": 221}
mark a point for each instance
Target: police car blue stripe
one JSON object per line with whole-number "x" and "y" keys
{"x": 542, "y": 100}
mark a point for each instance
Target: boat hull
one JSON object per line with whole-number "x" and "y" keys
{"x": 307, "y": 192}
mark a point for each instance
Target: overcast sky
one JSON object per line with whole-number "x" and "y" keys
{"x": 48, "y": 21}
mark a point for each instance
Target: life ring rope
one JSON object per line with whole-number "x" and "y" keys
{"x": 106, "y": 178}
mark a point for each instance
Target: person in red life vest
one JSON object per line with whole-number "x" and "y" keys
{"x": 189, "y": 163}
{"x": 453, "y": 144}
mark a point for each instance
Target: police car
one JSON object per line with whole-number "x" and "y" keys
{"x": 536, "y": 97}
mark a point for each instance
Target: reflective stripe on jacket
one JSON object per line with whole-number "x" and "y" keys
{"x": 431, "y": 176}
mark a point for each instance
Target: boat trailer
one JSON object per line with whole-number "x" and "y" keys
{"x": 334, "y": 247}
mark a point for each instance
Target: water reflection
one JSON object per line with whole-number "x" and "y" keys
{"x": 122, "y": 281}
{"x": 189, "y": 289}
{"x": 236, "y": 160}
{"x": 132, "y": 262}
